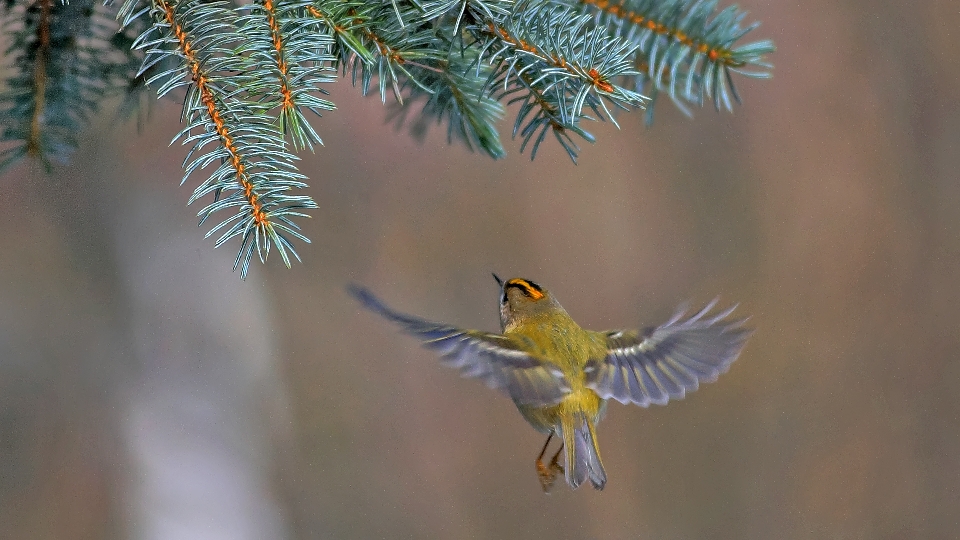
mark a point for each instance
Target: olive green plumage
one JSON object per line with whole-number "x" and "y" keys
{"x": 560, "y": 376}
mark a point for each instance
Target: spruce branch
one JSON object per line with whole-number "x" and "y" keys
{"x": 287, "y": 57}
{"x": 456, "y": 94}
{"x": 465, "y": 13}
{"x": 686, "y": 48}
{"x": 345, "y": 20}
{"x": 252, "y": 74}
{"x": 256, "y": 172}
{"x": 396, "y": 42}
{"x": 549, "y": 59}
{"x": 62, "y": 61}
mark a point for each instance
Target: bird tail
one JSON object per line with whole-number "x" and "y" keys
{"x": 581, "y": 452}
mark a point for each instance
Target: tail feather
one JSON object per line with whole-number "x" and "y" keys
{"x": 581, "y": 453}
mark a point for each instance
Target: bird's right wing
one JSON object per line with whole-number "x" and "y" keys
{"x": 493, "y": 358}
{"x": 668, "y": 361}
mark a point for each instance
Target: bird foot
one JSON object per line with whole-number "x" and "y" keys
{"x": 548, "y": 473}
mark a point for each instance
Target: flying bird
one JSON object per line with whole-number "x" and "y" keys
{"x": 561, "y": 376}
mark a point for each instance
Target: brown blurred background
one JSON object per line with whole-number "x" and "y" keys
{"x": 145, "y": 392}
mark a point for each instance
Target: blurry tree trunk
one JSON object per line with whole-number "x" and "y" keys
{"x": 138, "y": 386}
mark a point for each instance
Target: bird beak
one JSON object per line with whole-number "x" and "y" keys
{"x": 499, "y": 281}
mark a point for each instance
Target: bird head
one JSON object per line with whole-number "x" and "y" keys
{"x": 521, "y": 298}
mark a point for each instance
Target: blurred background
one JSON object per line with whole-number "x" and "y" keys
{"x": 146, "y": 392}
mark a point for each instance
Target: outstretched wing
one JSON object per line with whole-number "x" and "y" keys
{"x": 493, "y": 358}
{"x": 668, "y": 361}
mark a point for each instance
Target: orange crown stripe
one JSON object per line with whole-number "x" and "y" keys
{"x": 527, "y": 288}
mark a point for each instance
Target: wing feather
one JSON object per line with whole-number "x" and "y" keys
{"x": 492, "y": 358}
{"x": 669, "y": 361}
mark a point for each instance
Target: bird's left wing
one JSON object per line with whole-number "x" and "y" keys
{"x": 668, "y": 361}
{"x": 493, "y": 358}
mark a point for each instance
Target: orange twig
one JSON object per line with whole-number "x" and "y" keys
{"x": 593, "y": 76}
{"x": 715, "y": 54}
{"x": 207, "y": 98}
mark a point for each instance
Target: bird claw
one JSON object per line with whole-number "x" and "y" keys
{"x": 548, "y": 473}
